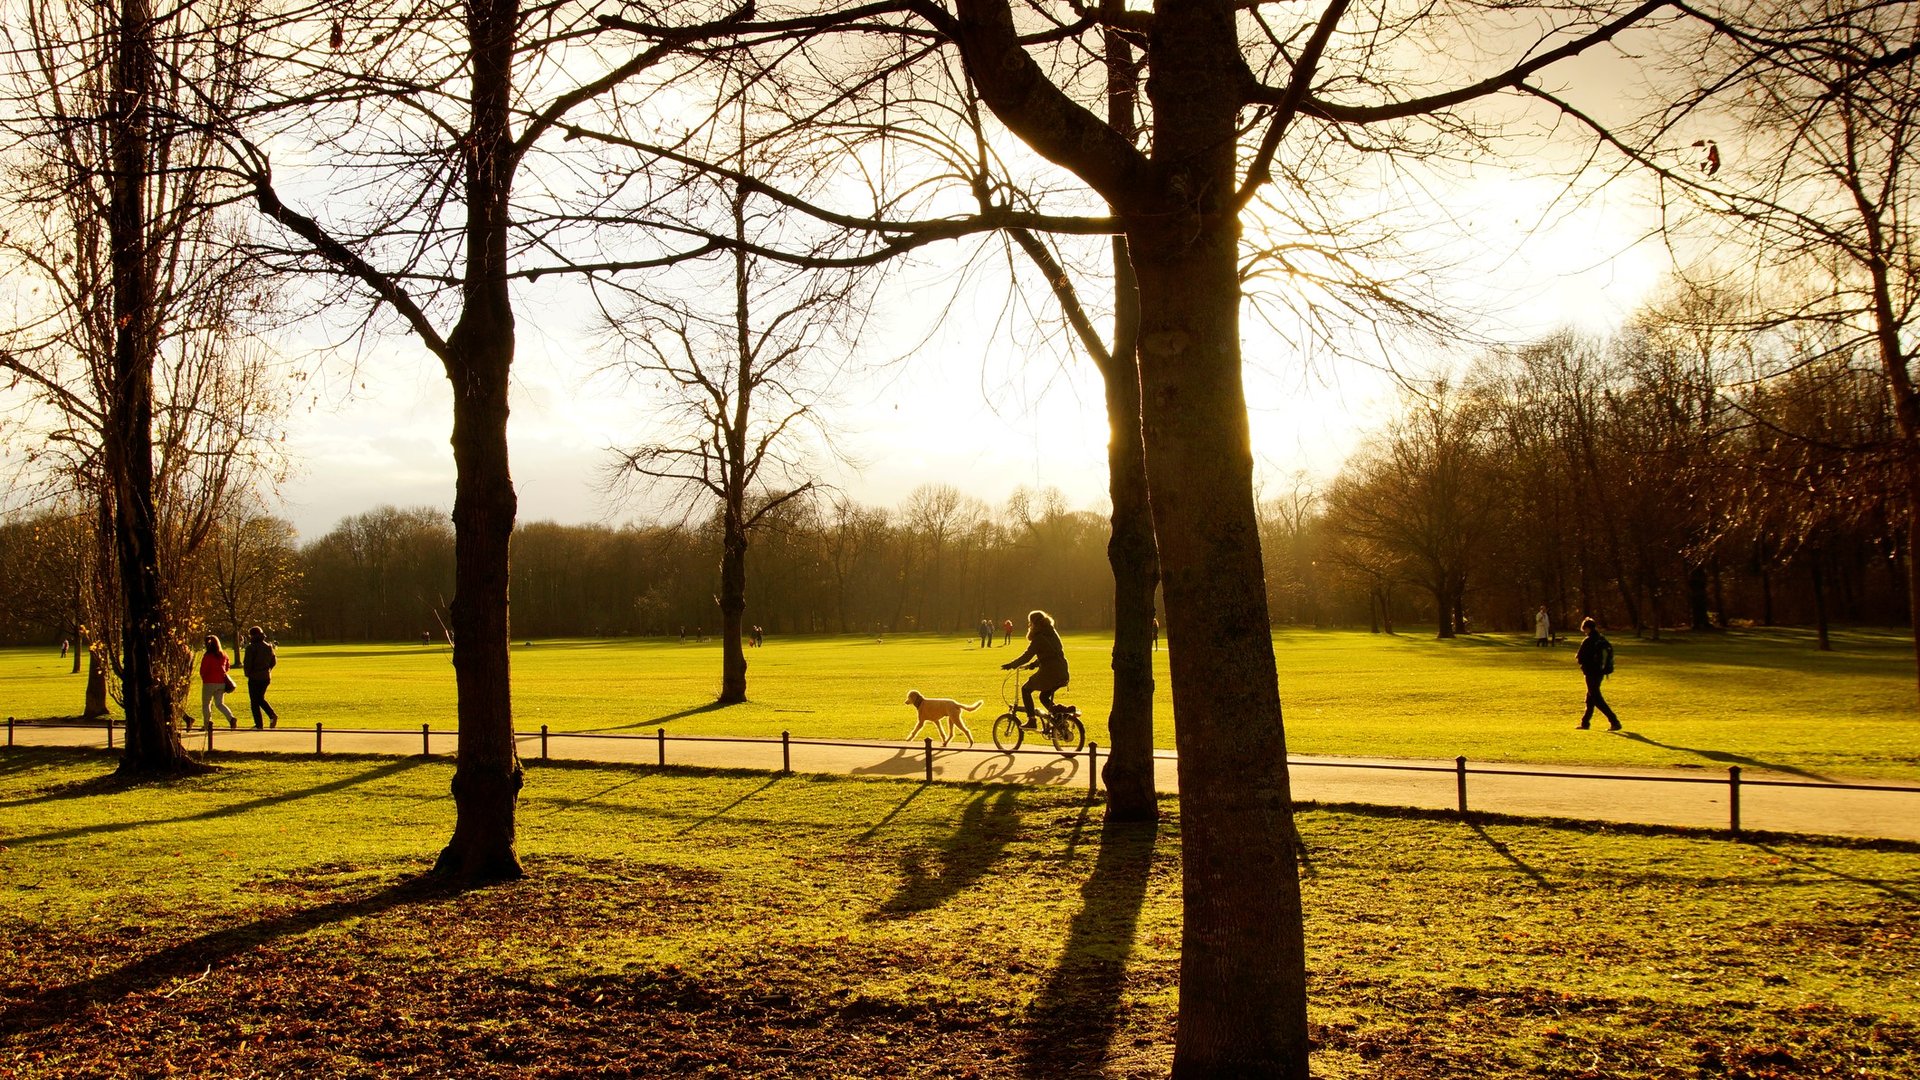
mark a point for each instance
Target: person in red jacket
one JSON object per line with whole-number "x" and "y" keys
{"x": 215, "y": 682}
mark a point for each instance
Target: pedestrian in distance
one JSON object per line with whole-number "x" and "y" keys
{"x": 1542, "y": 628}
{"x": 1596, "y": 663}
{"x": 258, "y": 661}
{"x": 1050, "y": 664}
{"x": 63, "y": 648}
{"x": 1156, "y": 633}
{"x": 1006, "y": 631}
{"x": 985, "y": 629}
{"x": 216, "y": 682}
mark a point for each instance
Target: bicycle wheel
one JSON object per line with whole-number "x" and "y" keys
{"x": 1067, "y": 732}
{"x": 1007, "y": 732}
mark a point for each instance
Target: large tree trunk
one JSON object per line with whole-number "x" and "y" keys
{"x": 96, "y": 703}
{"x": 479, "y": 357}
{"x": 1242, "y": 1004}
{"x": 733, "y": 606}
{"x": 153, "y": 744}
{"x": 1442, "y": 612}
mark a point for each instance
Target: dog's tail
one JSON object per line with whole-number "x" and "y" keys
{"x": 975, "y": 705}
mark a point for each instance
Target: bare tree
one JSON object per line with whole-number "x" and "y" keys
{"x": 741, "y": 388}
{"x": 142, "y": 349}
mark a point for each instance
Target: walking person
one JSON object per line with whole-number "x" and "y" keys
{"x": 985, "y": 629}
{"x": 216, "y": 682}
{"x": 1596, "y": 663}
{"x": 1050, "y": 664}
{"x": 1542, "y": 628}
{"x": 1006, "y": 631}
{"x": 257, "y": 661}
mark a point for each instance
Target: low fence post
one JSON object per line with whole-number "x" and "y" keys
{"x": 929, "y": 761}
{"x": 317, "y": 728}
{"x": 109, "y": 732}
{"x": 1093, "y": 771}
{"x": 209, "y": 736}
{"x": 662, "y": 733}
{"x": 9, "y": 731}
{"x": 786, "y": 754}
{"x": 1460, "y": 782}
{"x": 543, "y": 742}
{"x": 426, "y": 748}
{"x": 1733, "y": 799}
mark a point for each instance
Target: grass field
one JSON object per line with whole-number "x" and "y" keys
{"x": 1758, "y": 699}
{"x": 263, "y": 921}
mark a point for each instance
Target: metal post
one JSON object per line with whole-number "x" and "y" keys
{"x": 929, "y": 761}
{"x": 786, "y": 754}
{"x": 1733, "y": 798}
{"x": 9, "y": 731}
{"x": 209, "y": 735}
{"x": 1460, "y": 782}
{"x": 426, "y": 748}
{"x": 543, "y": 742}
{"x": 1093, "y": 771}
{"x": 662, "y": 733}
{"x": 316, "y": 736}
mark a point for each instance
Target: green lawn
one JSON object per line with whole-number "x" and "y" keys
{"x": 1759, "y": 699}
{"x": 262, "y": 921}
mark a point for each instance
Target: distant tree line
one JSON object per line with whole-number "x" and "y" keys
{"x": 1650, "y": 478}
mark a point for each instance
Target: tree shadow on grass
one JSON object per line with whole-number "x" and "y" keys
{"x": 1724, "y": 757}
{"x": 1892, "y": 891}
{"x": 1078, "y": 1010}
{"x": 985, "y": 828}
{"x": 1506, "y": 853}
{"x": 696, "y": 710}
{"x": 723, "y": 811}
{"x": 390, "y": 768}
{"x": 194, "y": 958}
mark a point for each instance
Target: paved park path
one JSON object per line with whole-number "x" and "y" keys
{"x": 1699, "y": 798}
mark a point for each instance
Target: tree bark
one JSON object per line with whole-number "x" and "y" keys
{"x": 96, "y": 705}
{"x": 1242, "y": 1001}
{"x": 479, "y": 356}
{"x": 153, "y": 745}
{"x": 733, "y": 606}
{"x": 1135, "y": 559}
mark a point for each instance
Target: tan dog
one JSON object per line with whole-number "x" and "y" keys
{"x": 938, "y": 711}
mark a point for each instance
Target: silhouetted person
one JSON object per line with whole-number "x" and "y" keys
{"x": 1050, "y": 663}
{"x": 1596, "y": 663}
{"x": 1542, "y": 628}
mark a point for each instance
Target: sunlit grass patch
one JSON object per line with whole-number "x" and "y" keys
{"x": 267, "y": 920}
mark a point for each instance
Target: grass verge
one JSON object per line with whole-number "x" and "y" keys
{"x": 266, "y": 920}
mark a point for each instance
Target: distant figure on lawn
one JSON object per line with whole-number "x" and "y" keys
{"x": 63, "y": 648}
{"x": 1596, "y": 663}
{"x": 258, "y": 663}
{"x": 1542, "y": 628}
{"x": 215, "y": 684}
{"x": 1156, "y": 633}
{"x": 1006, "y": 631}
{"x": 426, "y": 637}
{"x": 759, "y": 636}
{"x": 985, "y": 628}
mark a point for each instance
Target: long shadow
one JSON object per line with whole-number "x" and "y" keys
{"x": 1078, "y": 1010}
{"x": 193, "y": 958}
{"x": 723, "y": 811}
{"x": 1723, "y": 757}
{"x": 388, "y": 769}
{"x": 711, "y": 706}
{"x": 893, "y": 813}
{"x": 985, "y": 828}
{"x": 1891, "y": 891}
{"x": 1506, "y": 853}
{"x": 904, "y": 762}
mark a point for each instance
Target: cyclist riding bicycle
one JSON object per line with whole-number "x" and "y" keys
{"x": 1043, "y": 647}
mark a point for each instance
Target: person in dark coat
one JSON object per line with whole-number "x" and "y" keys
{"x": 1050, "y": 663}
{"x": 258, "y": 662}
{"x": 1596, "y": 663}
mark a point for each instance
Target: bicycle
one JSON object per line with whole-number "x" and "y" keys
{"x": 1061, "y": 726}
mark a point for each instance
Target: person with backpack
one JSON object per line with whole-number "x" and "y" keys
{"x": 257, "y": 662}
{"x": 1596, "y": 663}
